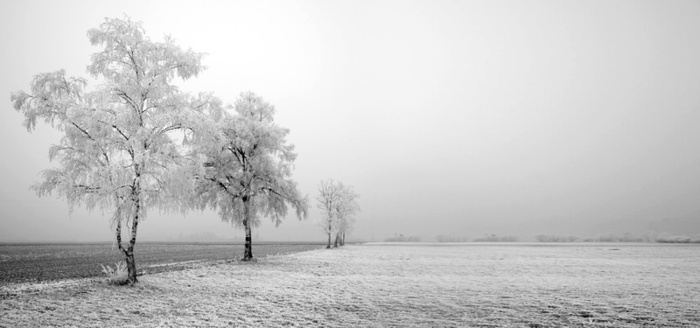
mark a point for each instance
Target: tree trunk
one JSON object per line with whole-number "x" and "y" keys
{"x": 130, "y": 261}
{"x": 342, "y": 239}
{"x": 329, "y": 239}
{"x": 129, "y": 251}
{"x": 337, "y": 236}
{"x": 131, "y": 265}
{"x": 248, "y": 253}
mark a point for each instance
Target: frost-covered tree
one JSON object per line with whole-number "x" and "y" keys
{"x": 338, "y": 204}
{"x": 328, "y": 196}
{"x": 247, "y": 168}
{"x": 117, "y": 152}
{"x": 345, "y": 208}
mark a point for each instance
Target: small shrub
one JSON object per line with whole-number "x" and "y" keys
{"x": 117, "y": 276}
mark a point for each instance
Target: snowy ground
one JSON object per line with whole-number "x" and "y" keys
{"x": 390, "y": 286}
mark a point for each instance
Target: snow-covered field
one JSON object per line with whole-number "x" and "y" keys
{"x": 383, "y": 285}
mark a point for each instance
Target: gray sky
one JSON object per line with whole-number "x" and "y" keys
{"x": 448, "y": 117}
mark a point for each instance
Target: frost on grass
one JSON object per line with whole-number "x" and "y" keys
{"x": 117, "y": 276}
{"x": 390, "y": 286}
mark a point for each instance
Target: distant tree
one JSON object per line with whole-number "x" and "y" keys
{"x": 117, "y": 151}
{"x": 338, "y": 205}
{"x": 346, "y": 207}
{"x": 556, "y": 239}
{"x": 495, "y": 238}
{"x": 402, "y": 238}
{"x": 329, "y": 194}
{"x": 246, "y": 165}
{"x": 451, "y": 239}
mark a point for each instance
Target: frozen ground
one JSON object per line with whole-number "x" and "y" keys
{"x": 531, "y": 285}
{"x": 46, "y": 262}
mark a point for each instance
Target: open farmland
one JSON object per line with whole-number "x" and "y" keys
{"x": 471, "y": 285}
{"x": 46, "y": 262}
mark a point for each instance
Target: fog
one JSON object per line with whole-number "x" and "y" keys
{"x": 448, "y": 117}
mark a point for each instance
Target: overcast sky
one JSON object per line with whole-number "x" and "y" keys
{"x": 448, "y": 117}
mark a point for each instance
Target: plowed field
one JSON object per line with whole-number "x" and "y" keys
{"x": 48, "y": 262}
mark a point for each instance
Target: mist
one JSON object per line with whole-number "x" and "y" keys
{"x": 466, "y": 118}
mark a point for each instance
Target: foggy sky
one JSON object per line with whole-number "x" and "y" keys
{"x": 448, "y": 117}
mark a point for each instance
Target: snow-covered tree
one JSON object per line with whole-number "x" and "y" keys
{"x": 117, "y": 152}
{"x": 345, "y": 209}
{"x": 247, "y": 168}
{"x": 338, "y": 205}
{"x": 328, "y": 196}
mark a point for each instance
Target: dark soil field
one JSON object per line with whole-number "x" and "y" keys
{"x": 49, "y": 262}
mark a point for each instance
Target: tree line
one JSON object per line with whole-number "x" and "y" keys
{"x": 137, "y": 142}
{"x": 338, "y": 203}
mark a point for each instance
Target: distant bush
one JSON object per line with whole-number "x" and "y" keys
{"x": 626, "y": 238}
{"x": 621, "y": 239}
{"x": 402, "y": 238}
{"x": 451, "y": 239}
{"x": 494, "y": 238}
{"x": 556, "y": 239}
{"x": 668, "y": 238}
{"x": 117, "y": 276}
